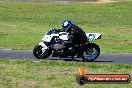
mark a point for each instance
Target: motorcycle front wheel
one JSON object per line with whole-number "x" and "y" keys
{"x": 41, "y": 53}
{"x": 91, "y": 52}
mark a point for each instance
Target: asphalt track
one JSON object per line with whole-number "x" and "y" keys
{"x": 104, "y": 58}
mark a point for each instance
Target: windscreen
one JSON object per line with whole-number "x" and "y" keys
{"x": 52, "y": 31}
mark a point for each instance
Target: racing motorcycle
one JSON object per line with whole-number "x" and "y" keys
{"x": 57, "y": 44}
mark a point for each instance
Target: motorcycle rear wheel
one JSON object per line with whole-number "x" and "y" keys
{"x": 91, "y": 52}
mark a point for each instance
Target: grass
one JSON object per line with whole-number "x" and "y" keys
{"x": 54, "y": 74}
{"x": 23, "y": 24}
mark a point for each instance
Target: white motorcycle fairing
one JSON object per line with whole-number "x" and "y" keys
{"x": 64, "y": 36}
{"x": 93, "y": 36}
{"x": 61, "y": 35}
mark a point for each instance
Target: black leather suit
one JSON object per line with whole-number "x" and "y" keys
{"x": 76, "y": 35}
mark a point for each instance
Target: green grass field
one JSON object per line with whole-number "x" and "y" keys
{"x": 54, "y": 74}
{"x": 23, "y": 24}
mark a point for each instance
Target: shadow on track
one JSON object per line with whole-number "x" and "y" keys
{"x": 80, "y": 60}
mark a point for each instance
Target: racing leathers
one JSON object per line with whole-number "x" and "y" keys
{"x": 76, "y": 35}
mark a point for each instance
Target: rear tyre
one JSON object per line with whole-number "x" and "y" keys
{"x": 91, "y": 52}
{"x": 39, "y": 53}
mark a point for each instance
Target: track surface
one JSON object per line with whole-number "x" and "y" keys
{"x": 105, "y": 58}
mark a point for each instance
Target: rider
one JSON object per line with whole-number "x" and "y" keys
{"x": 76, "y": 34}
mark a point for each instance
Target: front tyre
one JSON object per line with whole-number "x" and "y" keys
{"x": 91, "y": 52}
{"x": 41, "y": 53}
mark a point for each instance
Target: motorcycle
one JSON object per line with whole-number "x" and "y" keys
{"x": 57, "y": 44}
